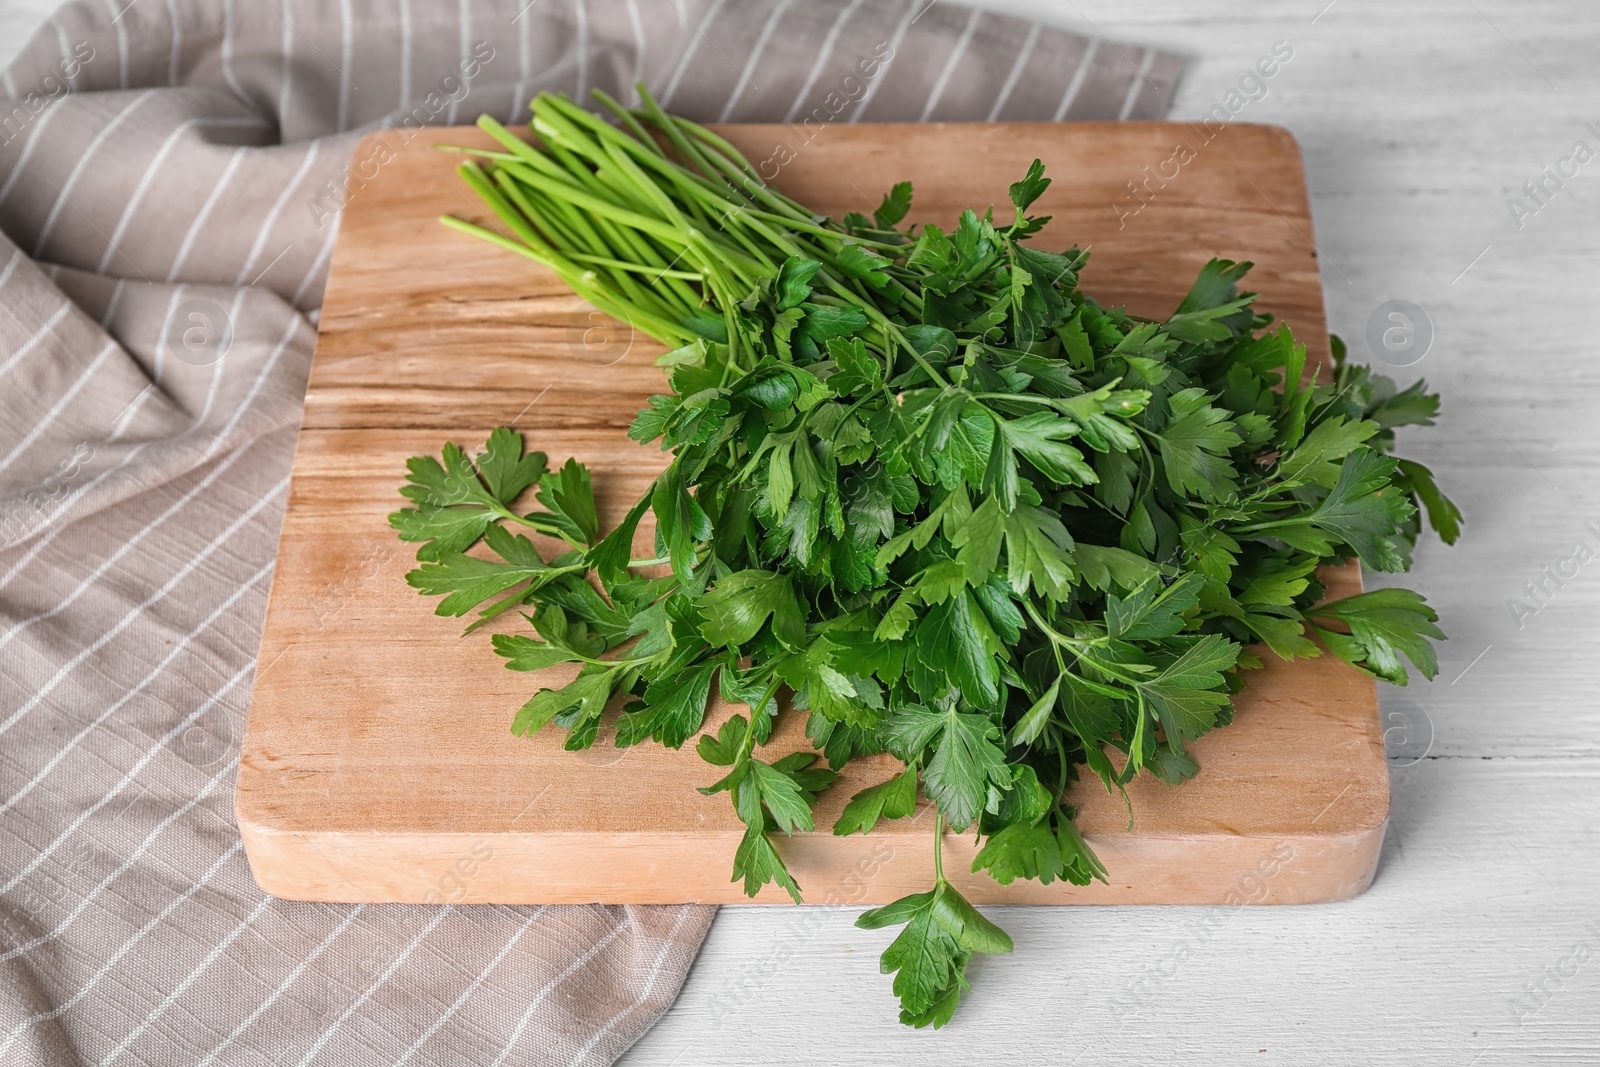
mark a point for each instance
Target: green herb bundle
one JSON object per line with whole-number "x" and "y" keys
{"x": 924, "y": 491}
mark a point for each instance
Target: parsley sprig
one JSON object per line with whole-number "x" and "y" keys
{"x": 924, "y": 491}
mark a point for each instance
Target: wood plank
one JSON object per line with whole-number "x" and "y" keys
{"x": 378, "y": 764}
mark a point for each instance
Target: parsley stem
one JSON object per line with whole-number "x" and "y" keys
{"x": 1026, "y": 398}
{"x": 638, "y": 268}
{"x": 750, "y": 728}
{"x": 820, "y": 231}
{"x": 893, "y": 332}
{"x": 1136, "y": 745}
{"x": 548, "y": 529}
{"x": 576, "y": 278}
{"x": 1083, "y": 650}
{"x": 1055, "y": 636}
{"x": 938, "y": 848}
{"x": 882, "y": 391}
{"x": 1257, "y": 527}
{"x": 597, "y": 205}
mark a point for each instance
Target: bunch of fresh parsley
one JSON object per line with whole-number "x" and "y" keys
{"x": 924, "y": 491}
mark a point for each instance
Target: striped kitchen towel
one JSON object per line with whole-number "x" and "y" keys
{"x": 158, "y": 156}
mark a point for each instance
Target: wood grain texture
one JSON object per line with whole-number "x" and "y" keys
{"x": 378, "y": 755}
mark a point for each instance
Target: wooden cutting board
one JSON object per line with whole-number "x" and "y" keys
{"x": 378, "y": 763}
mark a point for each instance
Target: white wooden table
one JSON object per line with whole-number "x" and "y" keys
{"x": 1479, "y": 944}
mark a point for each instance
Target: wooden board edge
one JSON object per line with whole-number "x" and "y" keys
{"x": 509, "y": 868}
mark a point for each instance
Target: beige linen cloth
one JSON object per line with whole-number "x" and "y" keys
{"x": 155, "y": 153}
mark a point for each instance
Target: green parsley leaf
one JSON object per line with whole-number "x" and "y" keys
{"x": 893, "y": 799}
{"x": 896, "y": 203}
{"x": 1384, "y": 624}
{"x": 1031, "y": 187}
{"x": 929, "y": 957}
{"x": 966, "y": 757}
{"x": 1194, "y": 447}
{"x": 741, "y": 603}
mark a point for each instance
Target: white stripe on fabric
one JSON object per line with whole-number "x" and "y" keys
{"x": 126, "y": 418}
{"x": 525, "y": 72}
{"x": 572, "y": 968}
{"x": 582, "y": 13}
{"x": 59, "y": 406}
{"x": 216, "y": 378}
{"x": 277, "y": 209}
{"x": 327, "y": 1035}
{"x": 288, "y": 70}
{"x": 66, "y": 54}
{"x": 688, "y": 53}
{"x": 345, "y": 18}
{"x": 472, "y": 988}
{"x": 649, "y": 984}
{"x": 166, "y": 588}
{"x": 11, "y": 265}
{"x": 205, "y": 211}
{"x": 227, "y": 56}
{"x": 177, "y": 650}
{"x": 114, "y": 302}
{"x": 161, "y": 349}
{"x": 127, "y": 865}
{"x": 177, "y": 43}
{"x": 756, "y": 50}
{"x": 405, "y": 55}
{"x": 464, "y": 18}
{"x": 1016, "y": 71}
{"x": 950, "y": 64}
{"x": 822, "y": 57}
{"x": 638, "y": 48}
{"x": 283, "y": 987}
{"x": 183, "y": 987}
{"x": 1078, "y": 77}
{"x": 316, "y": 265}
{"x": 1139, "y": 75}
{"x": 913, "y": 13}
{"x": 116, "y": 957}
{"x": 122, "y": 43}
{"x": 44, "y": 331}
{"x": 149, "y": 174}
{"x": 33, "y": 139}
{"x": 77, "y": 168}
